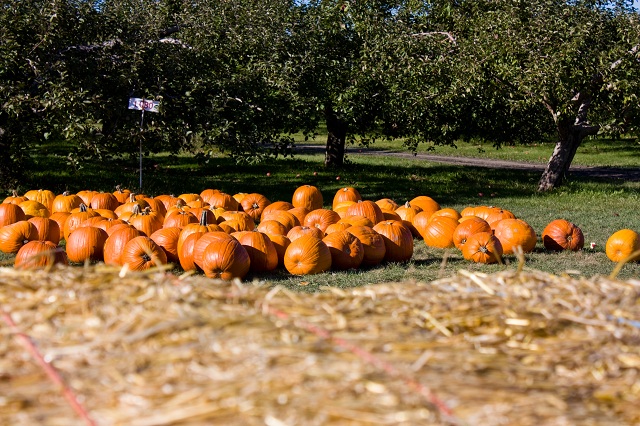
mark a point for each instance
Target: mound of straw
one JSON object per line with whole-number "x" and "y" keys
{"x": 512, "y": 348}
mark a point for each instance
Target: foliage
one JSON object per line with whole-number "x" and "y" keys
{"x": 240, "y": 77}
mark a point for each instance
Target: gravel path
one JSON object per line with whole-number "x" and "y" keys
{"x": 628, "y": 174}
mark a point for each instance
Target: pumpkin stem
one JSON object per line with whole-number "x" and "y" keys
{"x": 83, "y": 207}
{"x": 203, "y": 218}
{"x": 136, "y": 209}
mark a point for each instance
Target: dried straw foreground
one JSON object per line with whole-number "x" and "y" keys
{"x": 512, "y": 348}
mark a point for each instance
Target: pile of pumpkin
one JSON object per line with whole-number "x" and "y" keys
{"x": 226, "y": 236}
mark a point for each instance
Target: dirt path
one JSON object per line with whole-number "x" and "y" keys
{"x": 628, "y": 174}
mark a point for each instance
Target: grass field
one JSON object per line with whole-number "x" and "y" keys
{"x": 599, "y": 207}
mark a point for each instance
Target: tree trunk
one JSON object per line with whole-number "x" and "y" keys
{"x": 570, "y": 137}
{"x": 336, "y": 138}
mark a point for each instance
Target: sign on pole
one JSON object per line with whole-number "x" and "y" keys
{"x": 143, "y": 105}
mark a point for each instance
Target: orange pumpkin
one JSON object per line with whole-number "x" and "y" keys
{"x": 167, "y": 238}
{"x": 262, "y": 252}
{"x": 346, "y": 250}
{"x": 372, "y": 242}
{"x": 307, "y": 255}
{"x": 280, "y": 242}
{"x": 104, "y": 200}
{"x": 121, "y": 194}
{"x": 366, "y": 208}
{"x": 48, "y": 229}
{"x": 321, "y": 219}
{"x": 307, "y": 196}
{"x": 14, "y": 236}
{"x": 226, "y": 259}
{"x": 43, "y": 196}
{"x": 482, "y": 247}
{"x": 514, "y": 233}
{"x": 146, "y": 221}
{"x": 222, "y": 200}
{"x": 115, "y": 242}
{"x": 426, "y": 204}
{"x": 407, "y": 212}
{"x": 253, "y": 204}
{"x": 179, "y": 219}
{"x": 272, "y": 227}
{"x": 39, "y": 254}
{"x": 76, "y": 217}
{"x": 560, "y": 234}
{"x": 623, "y": 244}
{"x": 34, "y": 208}
{"x": 437, "y": 232}
{"x": 86, "y": 243}
{"x": 387, "y": 205}
{"x": 398, "y": 240}
{"x": 142, "y": 253}
{"x": 300, "y": 231}
{"x": 203, "y": 242}
{"x": 346, "y": 194}
{"x": 65, "y": 202}
{"x": 467, "y": 228}
{"x": 11, "y": 213}
{"x": 276, "y": 205}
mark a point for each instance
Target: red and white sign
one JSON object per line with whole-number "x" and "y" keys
{"x": 144, "y": 104}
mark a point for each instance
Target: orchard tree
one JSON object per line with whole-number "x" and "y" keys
{"x": 361, "y": 63}
{"x": 578, "y": 60}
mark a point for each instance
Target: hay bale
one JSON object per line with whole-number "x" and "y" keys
{"x": 516, "y": 348}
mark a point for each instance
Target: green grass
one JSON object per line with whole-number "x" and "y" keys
{"x": 598, "y": 206}
{"x": 592, "y": 152}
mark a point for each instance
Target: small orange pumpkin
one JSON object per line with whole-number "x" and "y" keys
{"x": 482, "y": 247}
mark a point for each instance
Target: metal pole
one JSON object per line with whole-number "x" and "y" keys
{"x": 141, "y": 124}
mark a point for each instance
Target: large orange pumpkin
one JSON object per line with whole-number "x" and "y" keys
{"x": 253, "y": 204}
{"x": 321, "y": 218}
{"x": 366, "y": 208}
{"x": 222, "y": 200}
{"x": 65, "y": 202}
{"x": 33, "y": 208}
{"x": 346, "y": 250}
{"x": 48, "y": 229}
{"x": 372, "y": 242}
{"x": 482, "y": 247}
{"x": 276, "y": 205}
{"x": 10, "y": 213}
{"x": 39, "y": 254}
{"x": 104, "y": 200}
{"x": 307, "y": 255}
{"x": 14, "y": 236}
{"x": 398, "y": 240}
{"x": 142, "y": 253}
{"x": 226, "y": 259}
{"x": 262, "y": 252}
{"x": 86, "y": 243}
{"x": 300, "y": 231}
{"x": 438, "y": 232}
{"x": 514, "y": 233}
{"x": 203, "y": 242}
{"x": 43, "y": 196}
{"x": 346, "y": 194}
{"x": 560, "y": 234}
{"x": 622, "y": 244}
{"x": 426, "y": 203}
{"x": 115, "y": 242}
{"x": 307, "y": 196}
{"x": 167, "y": 238}
{"x": 76, "y": 217}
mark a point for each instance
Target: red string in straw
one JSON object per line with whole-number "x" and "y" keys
{"x": 51, "y": 372}
{"x": 370, "y": 358}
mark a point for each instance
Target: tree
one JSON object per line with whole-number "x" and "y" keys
{"x": 578, "y": 60}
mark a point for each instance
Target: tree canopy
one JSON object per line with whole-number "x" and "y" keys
{"x": 239, "y": 77}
